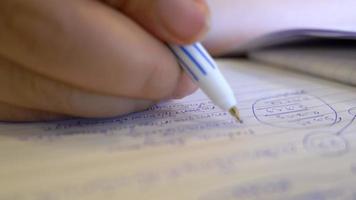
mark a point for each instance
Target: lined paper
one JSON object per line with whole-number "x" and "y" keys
{"x": 297, "y": 142}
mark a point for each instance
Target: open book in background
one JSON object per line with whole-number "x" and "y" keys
{"x": 326, "y": 53}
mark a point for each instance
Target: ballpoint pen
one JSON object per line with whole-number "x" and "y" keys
{"x": 201, "y": 67}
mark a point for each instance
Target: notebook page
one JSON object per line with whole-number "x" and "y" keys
{"x": 289, "y": 36}
{"x": 297, "y": 142}
{"x": 338, "y": 64}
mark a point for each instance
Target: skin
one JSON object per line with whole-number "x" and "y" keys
{"x": 96, "y": 58}
{"x": 92, "y": 58}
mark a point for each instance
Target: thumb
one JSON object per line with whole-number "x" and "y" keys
{"x": 175, "y": 21}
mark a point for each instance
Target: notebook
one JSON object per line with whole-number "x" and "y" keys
{"x": 298, "y": 141}
{"x": 329, "y": 54}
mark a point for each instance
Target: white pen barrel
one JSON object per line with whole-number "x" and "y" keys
{"x": 204, "y": 71}
{"x": 218, "y": 90}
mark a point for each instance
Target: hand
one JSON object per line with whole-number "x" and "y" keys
{"x": 91, "y": 58}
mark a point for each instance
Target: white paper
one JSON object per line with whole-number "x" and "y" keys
{"x": 293, "y": 36}
{"x": 298, "y": 141}
{"x": 338, "y": 63}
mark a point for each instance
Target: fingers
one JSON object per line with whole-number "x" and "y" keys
{"x": 36, "y": 97}
{"x": 10, "y": 113}
{"x": 87, "y": 45}
{"x": 176, "y": 21}
{"x": 185, "y": 87}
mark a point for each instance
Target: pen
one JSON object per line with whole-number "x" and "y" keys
{"x": 201, "y": 67}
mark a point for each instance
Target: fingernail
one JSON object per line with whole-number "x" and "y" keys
{"x": 184, "y": 20}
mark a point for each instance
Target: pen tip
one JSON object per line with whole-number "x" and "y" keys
{"x": 235, "y": 113}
